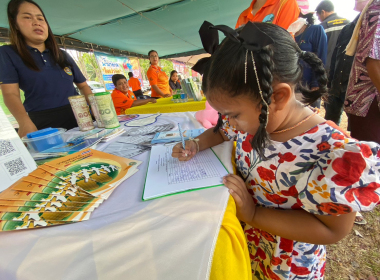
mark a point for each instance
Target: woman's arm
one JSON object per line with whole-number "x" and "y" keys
{"x": 140, "y": 102}
{"x": 373, "y": 68}
{"x": 84, "y": 89}
{"x": 296, "y": 225}
{"x": 157, "y": 89}
{"x": 12, "y": 99}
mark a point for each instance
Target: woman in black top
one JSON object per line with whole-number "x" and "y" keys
{"x": 173, "y": 81}
{"x": 34, "y": 63}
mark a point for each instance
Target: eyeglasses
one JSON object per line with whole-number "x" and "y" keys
{"x": 153, "y": 56}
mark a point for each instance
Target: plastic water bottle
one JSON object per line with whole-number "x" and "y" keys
{"x": 178, "y": 96}
{"x": 175, "y": 97}
{"x": 183, "y": 97}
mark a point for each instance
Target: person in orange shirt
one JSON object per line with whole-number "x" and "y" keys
{"x": 123, "y": 98}
{"x": 280, "y": 12}
{"x": 134, "y": 83}
{"x": 158, "y": 79}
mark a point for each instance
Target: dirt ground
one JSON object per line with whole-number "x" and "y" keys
{"x": 357, "y": 256}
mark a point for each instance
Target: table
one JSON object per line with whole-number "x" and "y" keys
{"x": 165, "y": 105}
{"x": 184, "y": 236}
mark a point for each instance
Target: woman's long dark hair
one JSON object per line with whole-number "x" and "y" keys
{"x": 279, "y": 62}
{"x": 172, "y": 73}
{"x": 18, "y": 40}
{"x": 309, "y": 17}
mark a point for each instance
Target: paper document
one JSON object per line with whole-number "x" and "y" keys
{"x": 149, "y": 129}
{"x": 139, "y": 139}
{"x": 175, "y": 136}
{"x": 167, "y": 175}
{"x": 143, "y": 121}
{"x": 125, "y": 150}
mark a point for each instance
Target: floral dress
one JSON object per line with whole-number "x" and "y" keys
{"x": 323, "y": 172}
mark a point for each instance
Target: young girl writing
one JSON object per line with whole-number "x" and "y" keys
{"x": 301, "y": 180}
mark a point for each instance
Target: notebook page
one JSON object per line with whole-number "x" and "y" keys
{"x": 167, "y": 175}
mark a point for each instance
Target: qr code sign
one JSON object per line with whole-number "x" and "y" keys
{"x": 15, "y": 166}
{"x": 6, "y": 147}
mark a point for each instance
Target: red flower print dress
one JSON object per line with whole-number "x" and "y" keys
{"x": 322, "y": 172}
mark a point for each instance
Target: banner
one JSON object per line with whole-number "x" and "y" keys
{"x": 111, "y": 65}
{"x": 194, "y": 74}
{"x": 180, "y": 67}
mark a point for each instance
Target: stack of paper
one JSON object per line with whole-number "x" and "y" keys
{"x": 125, "y": 150}
{"x": 103, "y": 134}
{"x": 64, "y": 190}
{"x": 78, "y": 143}
{"x": 175, "y": 136}
{"x": 149, "y": 129}
{"x": 124, "y": 118}
{"x": 113, "y": 134}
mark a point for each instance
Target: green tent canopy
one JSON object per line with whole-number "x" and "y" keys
{"x": 170, "y": 27}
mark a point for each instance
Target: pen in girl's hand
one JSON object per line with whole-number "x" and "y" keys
{"x": 182, "y": 138}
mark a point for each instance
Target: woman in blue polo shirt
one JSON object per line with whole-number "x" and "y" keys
{"x": 34, "y": 63}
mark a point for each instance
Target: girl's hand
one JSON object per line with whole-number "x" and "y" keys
{"x": 153, "y": 100}
{"x": 245, "y": 207}
{"x": 185, "y": 154}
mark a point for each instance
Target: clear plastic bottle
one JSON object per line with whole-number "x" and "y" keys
{"x": 178, "y": 96}
{"x": 183, "y": 97}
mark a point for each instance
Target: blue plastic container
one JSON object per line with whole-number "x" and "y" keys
{"x": 44, "y": 139}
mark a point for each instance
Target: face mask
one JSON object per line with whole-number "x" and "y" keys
{"x": 360, "y": 4}
{"x": 297, "y": 25}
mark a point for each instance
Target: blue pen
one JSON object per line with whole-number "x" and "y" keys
{"x": 182, "y": 139}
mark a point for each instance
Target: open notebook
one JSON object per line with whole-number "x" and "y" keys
{"x": 167, "y": 175}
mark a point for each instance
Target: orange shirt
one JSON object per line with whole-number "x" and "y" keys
{"x": 158, "y": 77}
{"x": 134, "y": 83}
{"x": 122, "y": 101}
{"x": 280, "y": 12}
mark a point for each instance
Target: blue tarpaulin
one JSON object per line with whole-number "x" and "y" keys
{"x": 170, "y": 27}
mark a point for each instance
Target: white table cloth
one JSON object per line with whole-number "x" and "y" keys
{"x": 126, "y": 238}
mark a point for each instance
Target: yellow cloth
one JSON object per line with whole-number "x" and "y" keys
{"x": 353, "y": 44}
{"x": 165, "y": 105}
{"x": 231, "y": 257}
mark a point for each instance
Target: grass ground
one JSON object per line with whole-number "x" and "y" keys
{"x": 2, "y": 105}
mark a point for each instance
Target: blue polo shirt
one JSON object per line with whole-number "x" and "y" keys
{"x": 45, "y": 89}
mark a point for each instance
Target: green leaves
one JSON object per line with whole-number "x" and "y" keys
{"x": 305, "y": 167}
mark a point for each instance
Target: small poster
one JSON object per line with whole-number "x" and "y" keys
{"x": 15, "y": 160}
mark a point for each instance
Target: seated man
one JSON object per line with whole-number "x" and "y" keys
{"x": 123, "y": 98}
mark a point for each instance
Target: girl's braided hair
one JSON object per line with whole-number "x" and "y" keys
{"x": 278, "y": 62}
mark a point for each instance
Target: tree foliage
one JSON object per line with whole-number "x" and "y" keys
{"x": 88, "y": 65}
{"x": 144, "y": 64}
{"x": 166, "y": 65}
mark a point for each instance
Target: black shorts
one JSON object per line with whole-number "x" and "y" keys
{"x": 60, "y": 117}
{"x": 138, "y": 93}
